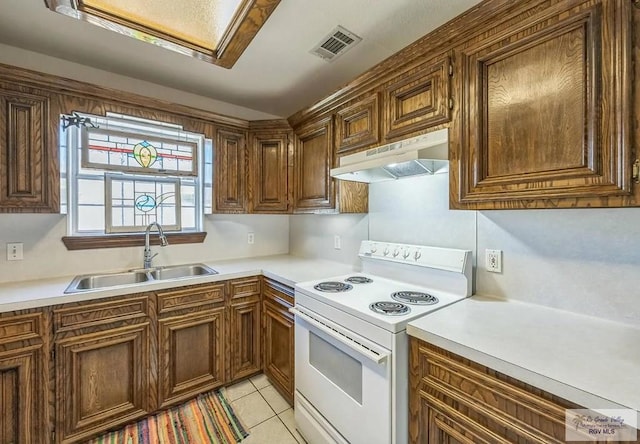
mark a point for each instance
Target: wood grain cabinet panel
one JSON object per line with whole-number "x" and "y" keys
{"x": 102, "y": 381}
{"x": 358, "y": 125}
{"x": 314, "y": 188}
{"x": 29, "y": 180}
{"x": 419, "y": 100}
{"x": 269, "y": 170}
{"x": 454, "y": 400}
{"x": 547, "y": 109}
{"x": 278, "y": 336}
{"x": 191, "y": 355}
{"x": 230, "y": 176}
{"x": 245, "y": 347}
{"x": 23, "y": 379}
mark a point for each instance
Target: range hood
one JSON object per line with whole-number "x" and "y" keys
{"x": 425, "y": 154}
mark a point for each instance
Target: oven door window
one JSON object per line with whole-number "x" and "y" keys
{"x": 337, "y": 366}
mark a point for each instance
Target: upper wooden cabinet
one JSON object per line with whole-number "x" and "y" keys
{"x": 29, "y": 176}
{"x": 229, "y": 188}
{"x": 418, "y": 99}
{"x": 269, "y": 172}
{"x": 314, "y": 189}
{"x": 547, "y": 110}
{"x": 358, "y": 125}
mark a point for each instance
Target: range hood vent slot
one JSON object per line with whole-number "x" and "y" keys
{"x": 336, "y": 43}
{"x": 425, "y": 154}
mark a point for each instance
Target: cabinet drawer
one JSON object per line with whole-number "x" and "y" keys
{"x": 493, "y": 402}
{"x": 278, "y": 293}
{"x": 102, "y": 313}
{"x": 20, "y": 328}
{"x": 189, "y": 297}
{"x": 242, "y": 288}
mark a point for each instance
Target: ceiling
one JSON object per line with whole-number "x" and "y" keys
{"x": 275, "y": 75}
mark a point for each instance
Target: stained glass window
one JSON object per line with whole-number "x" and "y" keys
{"x": 149, "y": 154}
{"x": 130, "y": 172}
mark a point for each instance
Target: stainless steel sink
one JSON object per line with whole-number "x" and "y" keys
{"x": 181, "y": 271}
{"x": 139, "y": 276}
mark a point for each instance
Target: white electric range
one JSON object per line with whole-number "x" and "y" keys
{"x": 351, "y": 344}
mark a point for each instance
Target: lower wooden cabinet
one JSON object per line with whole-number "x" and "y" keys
{"x": 23, "y": 379}
{"x": 245, "y": 351}
{"x": 103, "y": 364}
{"x": 454, "y": 400}
{"x": 278, "y": 334}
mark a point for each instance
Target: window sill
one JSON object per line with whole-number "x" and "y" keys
{"x": 129, "y": 240}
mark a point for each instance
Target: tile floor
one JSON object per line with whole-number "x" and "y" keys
{"x": 264, "y": 411}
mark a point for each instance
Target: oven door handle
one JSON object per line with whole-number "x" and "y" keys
{"x": 375, "y": 355}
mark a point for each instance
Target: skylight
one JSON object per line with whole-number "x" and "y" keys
{"x": 217, "y": 31}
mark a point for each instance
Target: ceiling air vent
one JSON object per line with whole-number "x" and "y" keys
{"x": 336, "y": 43}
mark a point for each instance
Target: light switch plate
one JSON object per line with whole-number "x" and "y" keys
{"x": 14, "y": 251}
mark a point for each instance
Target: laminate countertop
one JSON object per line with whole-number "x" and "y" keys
{"x": 590, "y": 361}
{"x": 286, "y": 269}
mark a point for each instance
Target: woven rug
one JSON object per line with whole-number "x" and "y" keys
{"x": 207, "y": 419}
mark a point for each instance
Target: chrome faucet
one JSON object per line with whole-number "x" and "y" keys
{"x": 147, "y": 249}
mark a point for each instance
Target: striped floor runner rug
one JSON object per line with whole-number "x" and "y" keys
{"x": 207, "y": 419}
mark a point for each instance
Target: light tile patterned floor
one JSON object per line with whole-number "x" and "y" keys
{"x": 264, "y": 411}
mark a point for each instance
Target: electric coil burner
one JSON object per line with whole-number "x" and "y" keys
{"x": 390, "y": 308}
{"x": 359, "y": 280}
{"x": 333, "y": 287}
{"x": 414, "y": 297}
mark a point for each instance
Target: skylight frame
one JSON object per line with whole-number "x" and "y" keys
{"x": 248, "y": 19}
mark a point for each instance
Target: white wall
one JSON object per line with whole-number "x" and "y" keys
{"x": 582, "y": 260}
{"x": 46, "y": 256}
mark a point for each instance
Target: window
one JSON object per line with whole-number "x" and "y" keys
{"x": 120, "y": 173}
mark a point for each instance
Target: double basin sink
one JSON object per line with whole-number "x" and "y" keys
{"x": 138, "y": 276}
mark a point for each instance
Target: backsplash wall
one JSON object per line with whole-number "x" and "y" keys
{"x": 582, "y": 260}
{"x": 46, "y": 256}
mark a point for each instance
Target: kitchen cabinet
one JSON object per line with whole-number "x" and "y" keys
{"x": 245, "y": 348}
{"x": 454, "y": 400}
{"x": 191, "y": 341}
{"x": 278, "y": 335}
{"x": 418, "y": 99}
{"x": 269, "y": 172}
{"x": 547, "y": 110}
{"x": 24, "y": 378}
{"x": 314, "y": 189}
{"x": 358, "y": 125}
{"x": 104, "y": 365}
{"x": 229, "y": 187}
{"x": 28, "y": 151}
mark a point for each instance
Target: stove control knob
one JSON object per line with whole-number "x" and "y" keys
{"x": 386, "y": 251}
{"x": 374, "y": 248}
{"x": 396, "y": 252}
{"x": 417, "y": 255}
{"x": 406, "y": 253}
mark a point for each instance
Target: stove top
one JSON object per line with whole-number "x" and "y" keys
{"x": 384, "y": 302}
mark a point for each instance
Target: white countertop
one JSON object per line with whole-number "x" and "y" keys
{"x": 286, "y": 269}
{"x": 592, "y": 362}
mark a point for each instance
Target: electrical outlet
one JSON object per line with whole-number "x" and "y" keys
{"x": 493, "y": 260}
{"x": 14, "y": 251}
{"x": 337, "y": 242}
{"x": 251, "y": 238}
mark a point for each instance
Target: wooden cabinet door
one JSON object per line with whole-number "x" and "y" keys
{"x": 269, "y": 167}
{"x": 314, "y": 188}
{"x": 547, "y": 111}
{"x": 278, "y": 334}
{"x": 191, "y": 355}
{"x": 245, "y": 350}
{"x": 23, "y": 380}
{"x": 230, "y": 172}
{"x": 358, "y": 125}
{"x": 419, "y": 99}
{"x": 102, "y": 381}
{"x": 29, "y": 176}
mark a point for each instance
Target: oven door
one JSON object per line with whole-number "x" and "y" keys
{"x": 343, "y": 383}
